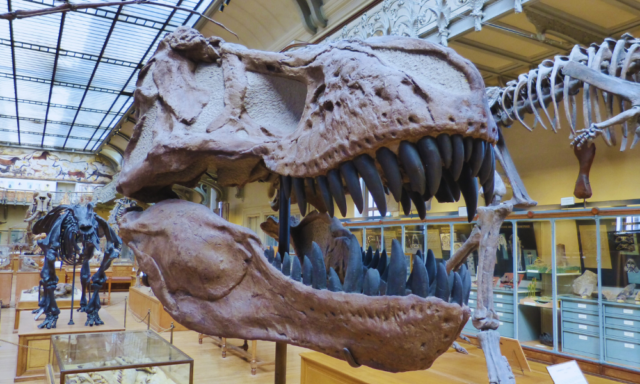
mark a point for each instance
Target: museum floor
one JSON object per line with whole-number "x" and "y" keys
{"x": 210, "y": 367}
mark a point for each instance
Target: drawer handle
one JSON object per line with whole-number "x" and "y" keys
{"x": 500, "y": 314}
{"x": 582, "y": 326}
{"x": 501, "y": 323}
{"x": 583, "y": 337}
{"x": 627, "y": 311}
{"x": 629, "y": 334}
{"x": 498, "y": 305}
{"x": 627, "y": 322}
{"x": 630, "y": 346}
{"x": 471, "y": 301}
{"x": 582, "y": 306}
{"x": 499, "y": 296}
{"x": 581, "y": 316}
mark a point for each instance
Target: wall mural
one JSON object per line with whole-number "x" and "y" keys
{"x": 75, "y": 167}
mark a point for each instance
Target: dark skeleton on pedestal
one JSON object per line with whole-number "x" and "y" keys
{"x": 66, "y": 227}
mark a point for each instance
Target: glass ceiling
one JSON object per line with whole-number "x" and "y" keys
{"x": 66, "y": 80}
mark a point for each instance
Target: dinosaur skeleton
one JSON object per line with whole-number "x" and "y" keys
{"x": 403, "y": 114}
{"x": 65, "y": 227}
{"x": 608, "y": 76}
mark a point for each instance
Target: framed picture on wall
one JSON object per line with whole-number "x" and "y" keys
{"x": 445, "y": 241}
{"x": 626, "y": 243}
{"x": 632, "y": 269}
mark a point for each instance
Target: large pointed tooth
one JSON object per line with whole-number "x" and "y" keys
{"x": 286, "y": 185}
{"x": 442, "y": 283}
{"x": 296, "y": 269}
{"x": 335, "y": 186}
{"x": 487, "y": 163}
{"x": 371, "y": 285}
{"x": 301, "y": 196}
{"x": 457, "y": 156}
{"x": 444, "y": 194}
{"x": 450, "y": 279}
{"x": 277, "y": 262}
{"x": 311, "y": 184}
{"x": 367, "y": 169}
{"x": 466, "y": 283}
{"x": 323, "y": 185}
{"x": 334, "y": 284}
{"x": 430, "y": 264}
{"x": 405, "y": 201}
{"x": 488, "y": 189}
{"x": 348, "y": 171}
{"x": 452, "y": 184}
{"x": 383, "y": 286}
{"x": 412, "y": 165}
{"x": 430, "y": 155}
{"x": 389, "y": 164}
{"x": 353, "y": 275}
{"x": 457, "y": 292}
{"x": 385, "y": 275}
{"x": 476, "y": 157}
{"x": 286, "y": 264}
{"x": 432, "y": 288}
{"x": 446, "y": 151}
{"x": 375, "y": 260}
{"x": 419, "y": 278}
{"x": 397, "y": 280}
{"x": 469, "y": 188}
{"x": 269, "y": 254}
{"x": 468, "y": 148}
{"x": 319, "y": 270}
{"x": 418, "y": 201}
{"x": 307, "y": 271}
{"x": 368, "y": 257}
{"x": 382, "y": 263}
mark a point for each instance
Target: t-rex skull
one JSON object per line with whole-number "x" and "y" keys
{"x": 401, "y": 113}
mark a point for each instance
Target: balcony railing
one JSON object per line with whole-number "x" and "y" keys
{"x": 22, "y": 197}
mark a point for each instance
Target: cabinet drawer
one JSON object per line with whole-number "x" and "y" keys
{"x": 506, "y": 329}
{"x": 583, "y": 328}
{"x": 503, "y": 307}
{"x": 583, "y": 345}
{"x": 631, "y": 325}
{"x": 580, "y": 307}
{"x": 632, "y": 313}
{"x": 503, "y": 298}
{"x": 473, "y": 294}
{"x": 580, "y": 317}
{"x": 625, "y": 351}
{"x": 621, "y": 334}
{"x": 505, "y": 316}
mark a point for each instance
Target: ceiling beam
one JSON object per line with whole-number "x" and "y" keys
{"x": 45, "y": 135}
{"x": 152, "y": 45}
{"x": 53, "y": 75}
{"x": 13, "y": 68}
{"x": 547, "y": 18}
{"x": 59, "y": 83}
{"x": 95, "y": 69}
{"x": 54, "y": 105}
{"x": 78, "y": 55}
{"x": 493, "y": 50}
{"x": 541, "y": 41}
{"x": 104, "y": 13}
{"x": 626, "y": 5}
{"x": 41, "y": 121}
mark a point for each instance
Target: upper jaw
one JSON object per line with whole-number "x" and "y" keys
{"x": 250, "y": 298}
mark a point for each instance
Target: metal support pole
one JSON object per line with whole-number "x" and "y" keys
{"x": 148, "y": 319}
{"x": 171, "y": 338}
{"x": 125, "y": 313}
{"x": 283, "y": 246}
{"x": 73, "y": 289}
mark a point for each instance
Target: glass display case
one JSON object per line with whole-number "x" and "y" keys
{"x": 567, "y": 283}
{"x": 119, "y": 357}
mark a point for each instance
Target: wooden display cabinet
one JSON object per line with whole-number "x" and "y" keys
{"x": 25, "y": 280}
{"x": 29, "y": 301}
{"x": 34, "y": 353}
{"x": 141, "y": 302}
{"x": 6, "y": 282}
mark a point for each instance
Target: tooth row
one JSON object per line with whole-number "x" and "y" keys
{"x": 444, "y": 167}
{"x": 368, "y": 273}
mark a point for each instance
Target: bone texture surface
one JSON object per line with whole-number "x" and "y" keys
{"x": 401, "y": 113}
{"x": 241, "y": 293}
